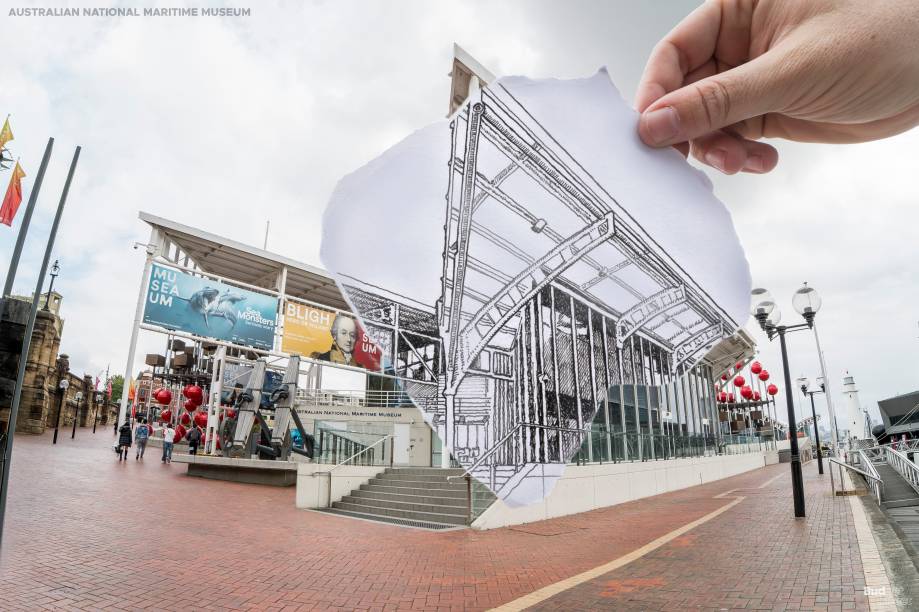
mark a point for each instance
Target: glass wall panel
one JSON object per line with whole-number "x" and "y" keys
{"x": 567, "y": 382}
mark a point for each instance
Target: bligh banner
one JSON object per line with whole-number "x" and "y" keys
{"x": 328, "y": 336}
{"x": 206, "y": 307}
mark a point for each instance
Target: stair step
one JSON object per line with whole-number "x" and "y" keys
{"x": 421, "y": 497}
{"x": 438, "y": 517}
{"x": 418, "y": 484}
{"x": 453, "y": 493}
{"x": 426, "y": 471}
{"x": 401, "y": 505}
{"x": 400, "y": 475}
{"x": 389, "y": 519}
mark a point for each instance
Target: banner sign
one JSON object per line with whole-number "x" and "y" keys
{"x": 210, "y": 308}
{"x": 328, "y": 336}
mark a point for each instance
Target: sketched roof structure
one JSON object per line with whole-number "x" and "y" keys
{"x": 557, "y": 224}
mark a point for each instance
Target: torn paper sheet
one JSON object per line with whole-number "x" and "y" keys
{"x": 533, "y": 271}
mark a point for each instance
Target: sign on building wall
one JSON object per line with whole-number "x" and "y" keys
{"x": 206, "y": 307}
{"x": 328, "y": 336}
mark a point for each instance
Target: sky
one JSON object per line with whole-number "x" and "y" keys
{"x": 225, "y": 123}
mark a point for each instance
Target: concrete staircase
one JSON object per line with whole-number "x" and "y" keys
{"x": 414, "y": 497}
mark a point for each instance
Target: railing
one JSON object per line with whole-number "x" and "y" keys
{"x": 517, "y": 452}
{"x": 872, "y": 479}
{"x": 352, "y": 458}
{"x": 357, "y": 399}
{"x": 332, "y": 444}
{"x": 904, "y": 467}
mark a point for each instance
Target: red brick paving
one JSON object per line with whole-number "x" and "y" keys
{"x": 87, "y": 533}
{"x": 756, "y": 556}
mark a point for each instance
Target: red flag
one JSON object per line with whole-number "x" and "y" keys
{"x": 13, "y": 196}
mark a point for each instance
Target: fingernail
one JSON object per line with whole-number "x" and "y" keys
{"x": 754, "y": 163}
{"x": 715, "y": 158}
{"x": 662, "y": 125}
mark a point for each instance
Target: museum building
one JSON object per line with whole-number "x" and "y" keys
{"x": 572, "y": 362}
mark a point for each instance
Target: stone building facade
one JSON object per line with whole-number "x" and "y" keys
{"x": 45, "y": 369}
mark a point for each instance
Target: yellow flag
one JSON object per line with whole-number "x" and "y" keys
{"x": 6, "y": 134}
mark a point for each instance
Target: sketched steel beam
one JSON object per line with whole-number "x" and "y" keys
{"x": 605, "y": 273}
{"x": 635, "y": 317}
{"x": 699, "y": 341}
{"x": 464, "y": 224}
{"x": 536, "y": 276}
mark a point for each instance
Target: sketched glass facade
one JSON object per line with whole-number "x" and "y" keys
{"x": 563, "y": 332}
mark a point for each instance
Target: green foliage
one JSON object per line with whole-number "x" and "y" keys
{"x": 117, "y": 387}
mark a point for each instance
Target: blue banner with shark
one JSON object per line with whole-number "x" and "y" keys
{"x": 206, "y": 307}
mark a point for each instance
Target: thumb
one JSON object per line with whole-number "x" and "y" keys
{"x": 746, "y": 91}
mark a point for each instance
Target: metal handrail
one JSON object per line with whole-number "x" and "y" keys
{"x": 364, "y": 450}
{"x": 903, "y": 466}
{"x": 874, "y": 481}
{"x": 507, "y": 436}
{"x": 329, "y": 472}
{"x": 489, "y": 452}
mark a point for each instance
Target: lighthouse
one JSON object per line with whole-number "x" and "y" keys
{"x": 855, "y": 419}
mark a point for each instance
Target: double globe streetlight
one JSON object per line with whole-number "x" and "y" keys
{"x": 806, "y": 303}
{"x": 804, "y": 383}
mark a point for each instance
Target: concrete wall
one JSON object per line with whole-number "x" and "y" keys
{"x": 589, "y": 487}
{"x": 313, "y": 482}
{"x": 420, "y": 434}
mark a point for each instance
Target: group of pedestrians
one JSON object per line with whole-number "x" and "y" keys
{"x": 141, "y": 433}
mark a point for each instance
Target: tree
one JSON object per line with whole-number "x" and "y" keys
{"x": 117, "y": 387}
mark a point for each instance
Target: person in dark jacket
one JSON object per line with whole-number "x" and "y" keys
{"x": 124, "y": 440}
{"x": 194, "y": 439}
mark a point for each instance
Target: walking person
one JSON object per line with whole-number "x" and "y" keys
{"x": 194, "y": 439}
{"x": 169, "y": 435}
{"x": 141, "y": 435}
{"x": 124, "y": 440}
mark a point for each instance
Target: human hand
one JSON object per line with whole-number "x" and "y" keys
{"x": 735, "y": 71}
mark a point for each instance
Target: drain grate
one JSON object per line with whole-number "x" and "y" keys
{"x": 376, "y": 518}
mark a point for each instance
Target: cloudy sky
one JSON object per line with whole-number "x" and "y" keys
{"x": 223, "y": 123}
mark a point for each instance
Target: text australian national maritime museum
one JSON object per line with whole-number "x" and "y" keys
{"x": 290, "y": 375}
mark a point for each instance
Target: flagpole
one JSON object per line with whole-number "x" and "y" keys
{"x": 27, "y": 340}
{"x": 27, "y": 217}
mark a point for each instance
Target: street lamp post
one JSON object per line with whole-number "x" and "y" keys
{"x": 55, "y": 270}
{"x": 76, "y": 414}
{"x": 767, "y": 314}
{"x": 98, "y": 397}
{"x": 60, "y": 410}
{"x": 805, "y": 384}
{"x": 806, "y": 299}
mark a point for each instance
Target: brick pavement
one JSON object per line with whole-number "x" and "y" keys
{"x": 85, "y": 532}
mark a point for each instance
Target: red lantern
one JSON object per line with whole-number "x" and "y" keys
{"x": 722, "y": 397}
{"x": 746, "y": 392}
{"x": 190, "y": 405}
{"x": 730, "y": 398}
{"x": 739, "y": 381}
{"x": 163, "y": 396}
{"x": 180, "y": 433}
{"x": 194, "y": 394}
{"x": 738, "y": 365}
{"x": 772, "y": 389}
{"x": 201, "y": 419}
{"x": 166, "y": 416}
{"x": 724, "y": 377}
{"x": 231, "y": 414}
{"x": 756, "y": 396}
{"x": 185, "y": 419}
{"x": 756, "y": 367}
{"x": 764, "y": 375}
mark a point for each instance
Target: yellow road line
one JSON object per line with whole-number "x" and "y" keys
{"x": 551, "y": 590}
